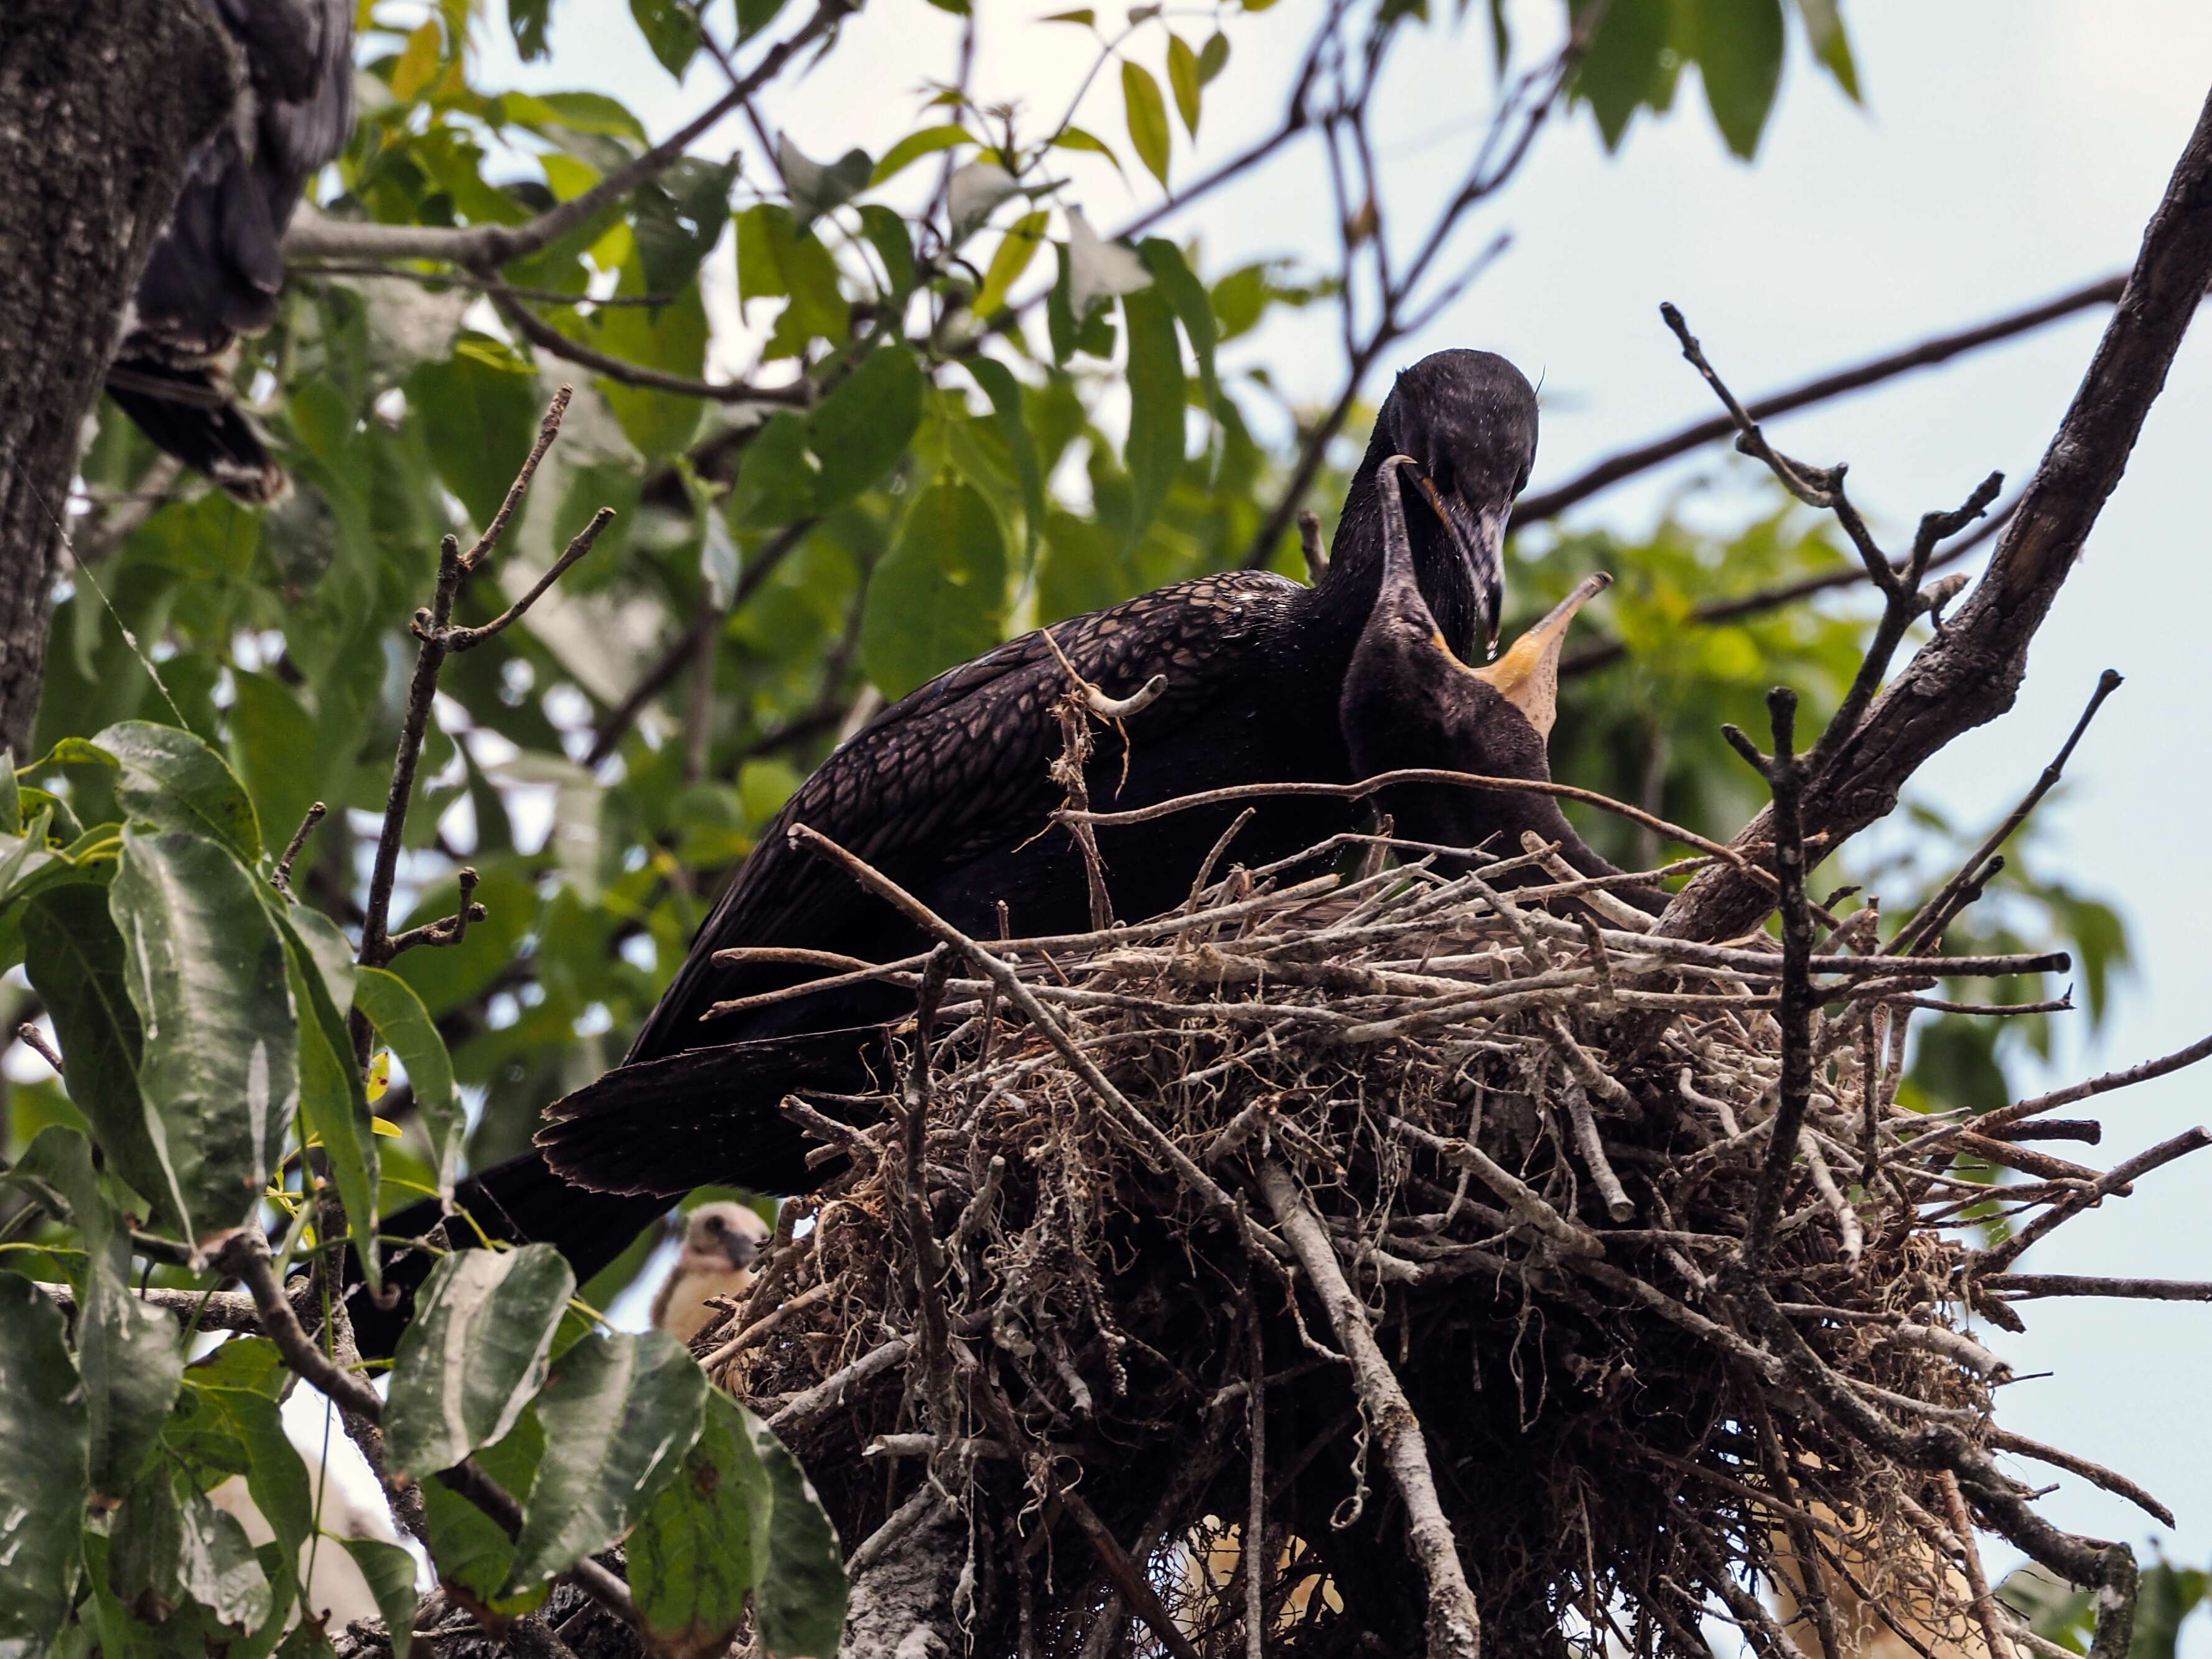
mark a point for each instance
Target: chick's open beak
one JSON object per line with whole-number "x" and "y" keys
{"x": 1481, "y": 537}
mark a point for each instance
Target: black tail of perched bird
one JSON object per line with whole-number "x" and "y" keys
{"x": 1408, "y": 703}
{"x": 218, "y": 268}
{"x": 949, "y": 793}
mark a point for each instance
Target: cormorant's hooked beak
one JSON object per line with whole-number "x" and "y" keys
{"x": 1481, "y": 537}
{"x": 1528, "y": 675}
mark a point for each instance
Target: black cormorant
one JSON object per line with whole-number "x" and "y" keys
{"x": 217, "y": 268}
{"x": 948, "y": 792}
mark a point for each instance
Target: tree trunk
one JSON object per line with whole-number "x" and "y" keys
{"x": 102, "y": 104}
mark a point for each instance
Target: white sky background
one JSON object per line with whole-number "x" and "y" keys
{"x": 2006, "y": 152}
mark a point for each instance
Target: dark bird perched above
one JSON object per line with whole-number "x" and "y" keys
{"x": 217, "y": 269}
{"x": 948, "y": 792}
{"x": 1408, "y": 703}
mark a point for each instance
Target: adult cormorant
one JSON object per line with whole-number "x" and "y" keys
{"x": 948, "y": 793}
{"x": 217, "y": 269}
{"x": 1409, "y": 701}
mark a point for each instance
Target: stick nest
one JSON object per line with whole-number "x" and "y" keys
{"x": 1086, "y": 1369}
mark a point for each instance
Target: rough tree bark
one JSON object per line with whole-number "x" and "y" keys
{"x": 1969, "y": 674}
{"x": 102, "y": 104}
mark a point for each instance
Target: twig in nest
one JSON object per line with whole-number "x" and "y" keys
{"x": 1141, "y": 1127}
{"x": 1786, "y": 776}
{"x": 1455, "y": 1627}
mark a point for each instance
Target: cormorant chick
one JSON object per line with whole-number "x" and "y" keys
{"x": 1409, "y": 702}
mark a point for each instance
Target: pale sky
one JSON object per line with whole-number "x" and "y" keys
{"x": 2007, "y": 151}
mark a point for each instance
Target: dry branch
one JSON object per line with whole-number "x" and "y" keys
{"x": 1969, "y": 673}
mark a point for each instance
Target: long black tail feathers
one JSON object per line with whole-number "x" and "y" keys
{"x": 189, "y": 413}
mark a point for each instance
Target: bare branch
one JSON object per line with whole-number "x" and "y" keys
{"x": 1547, "y": 504}
{"x": 543, "y": 335}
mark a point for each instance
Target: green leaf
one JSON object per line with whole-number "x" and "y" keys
{"x": 417, "y": 64}
{"x": 1832, "y": 47}
{"x": 754, "y": 16}
{"x": 173, "y": 781}
{"x": 1076, "y": 138}
{"x": 619, "y": 1413}
{"x": 167, "y": 1551}
{"x": 591, "y": 113}
{"x": 469, "y": 1547}
{"x": 331, "y": 1086}
{"x": 776, "y": 481}
{"x": 799, "y": 1603}
{"x": 479, "y": 412}
{"x": 223, "y": 1400}
{"x": 692, "y": 1559}
{"x": 45, "y": 1458}
{"x": 1617, "y": 76}
{"x": 888, "y": 232}
{"x": 11, "y": 798}
{"x": 732, "y": 1524}
{"x": 133, "y": 1365}
{"x": 474, "y": 1354}
{"x": 271, "y": 732}
{"x": 1738, "y": 44}
{"x": 527, "y": 20}
{"x": 76, "y": 960}
{"x": 678, "y": 220}
{"x": 775, "y": 260}
{"x": 860, "y": 430}
{"x": 219, "y": 1070}
{"x": 1193, "y": 308}
{"x": 390, "y": 1571}
{"x": 1081, "y": 568}
{"x": 1005, "y": 392}
{"x": 1186, "y": 79}
{"x": 1157, "y": 394}
{"x": 26, "y": 866}
{"x": 916, "y": 145}
{"x": 669, "y": 30}
{"x": 407, "y": 1030}
{"x": 1212, "y": 57}
{"x": 939, "y": 596}
{"x": 1015, "y": 251}
{"x": 1148, "y": 119}
{"x": 1083, "y": 16}
{"x": 672, "y": 338}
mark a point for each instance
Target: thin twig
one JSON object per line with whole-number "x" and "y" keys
{"x": 1922, "y": 925}
{"x": 281, "y": 881}
{"x": 1544, "y": 504}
